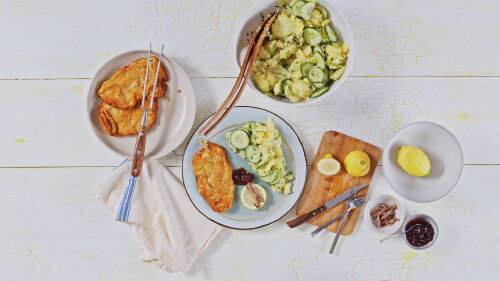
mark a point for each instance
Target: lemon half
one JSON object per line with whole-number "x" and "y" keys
{"x": 247, "y": 199}
{"x": 414, "y": 161}
{"x": 357, "y": 163}
{"x": 328, "y": 166}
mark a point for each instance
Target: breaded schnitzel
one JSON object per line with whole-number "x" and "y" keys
{"x": 125, "y": 87}
{"x": 123, "y": 122}
{"x": 214, "y": 176}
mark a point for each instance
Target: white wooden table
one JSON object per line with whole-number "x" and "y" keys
{"x": 417, "y": 60}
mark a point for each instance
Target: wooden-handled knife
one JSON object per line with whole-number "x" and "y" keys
{"x": 305, "y": 217}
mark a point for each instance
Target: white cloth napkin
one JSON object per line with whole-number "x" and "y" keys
{"x": 169, "y": 230}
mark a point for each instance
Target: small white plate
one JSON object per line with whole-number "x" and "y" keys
{"x": 253, "y": 18}
{"x": 444, "y": 153}
{"x": 176, "y": 111}
{"x": 388, "y": 200}
{"x": 277, "y": 204}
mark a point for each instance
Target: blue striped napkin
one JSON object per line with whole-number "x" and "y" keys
{"x": 170, "y": 231}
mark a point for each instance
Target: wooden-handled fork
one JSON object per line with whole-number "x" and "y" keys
{"x": 239, "y": 86}
{"x": 140, "y": 144}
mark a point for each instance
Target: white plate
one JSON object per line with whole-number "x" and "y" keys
{"x": 277, "y": 204}
{"x": 253, "y": 18}
{"x": 176, "y": 111}
{"x": 444, "y": 153}
{"x": 388, "y": 200}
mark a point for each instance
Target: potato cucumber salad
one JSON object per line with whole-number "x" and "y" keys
{"x": 261, "y": 145}
{"x": 302, "y": 56}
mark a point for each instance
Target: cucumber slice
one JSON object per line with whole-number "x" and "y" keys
{"x": 307, "y": 9}
{"x": 306, "y": 67}
{"x": 320, "y": 92}
{"x": 325, "y": 80}
{"x": 253, "y": 154}
{"x": 269, "y": 177}
{"x": 319, "y": 49}
{"x": 262, "y": 173}
{"x": 249, "y": 126}
{"x": 276, "y": 133}
{"x": 239, "y": 139}
{"x": 263, "y": 162}
{"x": 323, "y": 11}
{"x": 320, "y": 60}
{"x": 318, "y": 85}
{"x": 277, "y": 176}
{"x": 316, "y": 75}
{"x": 311, "y": 35}
{"x": 332, "y": 37}
{"x": 297, "y": 8}
{"x": 286, "y": 87}
{"x": 264, "y": 92}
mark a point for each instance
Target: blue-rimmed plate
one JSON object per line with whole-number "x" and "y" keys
{"x": 277, "y": 204}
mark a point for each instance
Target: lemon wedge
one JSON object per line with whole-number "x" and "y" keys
{"x": 328, "y": 166}
{"x": 357, "y": 163}
{"x": 248, "y": 199}
{"x": 414, "y": 161}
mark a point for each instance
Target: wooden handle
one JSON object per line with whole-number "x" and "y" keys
{"x": 239, "y": 85}
{"x": 138, "y": 156}
{"x": 305, "y": 217}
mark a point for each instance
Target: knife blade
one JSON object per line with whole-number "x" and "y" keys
{"x": 305, "y": 217}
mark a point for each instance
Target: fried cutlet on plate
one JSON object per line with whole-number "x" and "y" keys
{"x": 214, "y": 176}
{"x": 125, "y": 87}
{"x": 123, "y": 122}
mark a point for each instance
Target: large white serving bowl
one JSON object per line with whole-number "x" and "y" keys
{"x": 253, "y": 18}
{"x": 444, "y": 153}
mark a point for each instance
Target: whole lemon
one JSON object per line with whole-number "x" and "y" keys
{"x": 414, "y": 161}
{"x": 357, "y": 163}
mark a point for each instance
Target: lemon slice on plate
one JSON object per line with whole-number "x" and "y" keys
{"x": 328, "y": 166}
{"x": 248, "y": 199}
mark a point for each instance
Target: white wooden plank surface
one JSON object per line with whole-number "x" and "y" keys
{"x": 53, "y": 228}
{"x": 56, "y": 39}
{"x": 56, "y": 230}
{"x": 50, "y": 127}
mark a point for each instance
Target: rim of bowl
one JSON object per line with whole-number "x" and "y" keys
{"x": 349, "y": 65}
{"x": 427, "y": 218}
{"x": 386, "y": 151}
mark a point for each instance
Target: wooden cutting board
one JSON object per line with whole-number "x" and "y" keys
{"x": 319, "y": 189}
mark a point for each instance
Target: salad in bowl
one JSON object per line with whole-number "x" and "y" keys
{"x": 302, "y": 57}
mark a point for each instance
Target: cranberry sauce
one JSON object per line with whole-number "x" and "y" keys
{"x": 421, "y": 234}
{"x": 242, "y": 177}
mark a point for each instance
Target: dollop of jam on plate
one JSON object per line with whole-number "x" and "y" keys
{"x": 242, "y": 177}
{"x": 421, "y": 234}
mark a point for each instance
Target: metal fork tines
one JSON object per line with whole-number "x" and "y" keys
{"x": 358, "y": 202}
{"x": 140, "y": 145}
